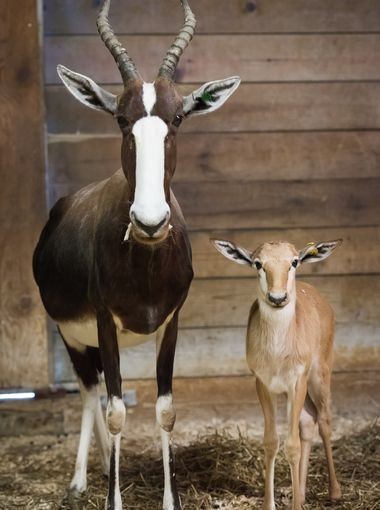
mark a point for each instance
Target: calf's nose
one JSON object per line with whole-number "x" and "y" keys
{"x": 277, "y": 298}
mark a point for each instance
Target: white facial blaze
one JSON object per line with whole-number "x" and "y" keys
{"x": 150, "y": 205}
{"x": 149, "y": 97}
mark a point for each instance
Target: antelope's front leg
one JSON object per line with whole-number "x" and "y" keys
{"x": 296, "y": 400}
{"x": 268, "y": 403}
{"x": 165, "y": 412}
{"x": 115, "y": 415}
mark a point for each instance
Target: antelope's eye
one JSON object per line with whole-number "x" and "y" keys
{"x": 177, "y": 120}
{"x": 258, "y": 265}
{"x": 295, "y": 263}
{"x": 123, "y": 122}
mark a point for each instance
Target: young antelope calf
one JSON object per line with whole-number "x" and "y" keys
{"x": 290, "y": 350}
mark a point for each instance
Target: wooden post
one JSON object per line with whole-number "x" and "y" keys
{"x": 23, "y": 336}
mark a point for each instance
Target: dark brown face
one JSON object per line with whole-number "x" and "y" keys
{"x": 149, "y": 115}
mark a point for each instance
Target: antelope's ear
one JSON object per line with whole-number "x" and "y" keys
{"x": 87, "y": 91}
{"x": 210, "y": 96}
{"x": 314, "y": 252}
{"x": 231, "y": 251}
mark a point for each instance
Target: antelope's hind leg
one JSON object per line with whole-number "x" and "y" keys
{"x": 320, "y": 394}
{"x": 87, "y": 366}
{"x": 165, "y": 412}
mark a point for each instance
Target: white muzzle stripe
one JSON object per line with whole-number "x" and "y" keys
{"x": 150, "y": 206}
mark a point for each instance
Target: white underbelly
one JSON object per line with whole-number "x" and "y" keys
{"x": 82, "y": 334}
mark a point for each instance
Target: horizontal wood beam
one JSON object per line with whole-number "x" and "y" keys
{"x": 221, "y": 352}
{"x": 214, "y": 157}
{"x": 357, "y": 255}
{"x": 278, "y": 204}
{"x": 253, "y": 108}
{"x": 255, "y": 58}
{"x": 226, "y": 302}
{"x": 233, "y": 16}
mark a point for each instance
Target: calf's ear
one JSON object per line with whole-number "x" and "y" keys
{"x": 314, "y": 252}
{"x": 233, "y": 252}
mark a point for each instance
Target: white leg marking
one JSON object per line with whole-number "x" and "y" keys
{"x": 115, "y": 445}
{"x": 168, "y": 503}
{"x": 102, "y": 439}
{"x": 150, "y": 205}
{"x": 165, "y": 414}
{"x": 115, "y": 415}
{"x": 90, "y": 398}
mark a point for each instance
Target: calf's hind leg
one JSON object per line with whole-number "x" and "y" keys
{"x": 320, "y": 394}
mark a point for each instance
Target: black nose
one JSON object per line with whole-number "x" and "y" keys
{"x": 149, "y": 229}
{"x": 277, "y": 300}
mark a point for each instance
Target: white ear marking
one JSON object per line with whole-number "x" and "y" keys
{"x": 87, "y": 91}
{"x": 233, "y": 252}
{"x": 210, "y": 96}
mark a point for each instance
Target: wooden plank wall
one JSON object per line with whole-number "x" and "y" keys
{"x": 23, "y": 342}
{"x": 294, "y": 154}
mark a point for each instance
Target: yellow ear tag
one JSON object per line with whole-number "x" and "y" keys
{"x": 314, "y": 251}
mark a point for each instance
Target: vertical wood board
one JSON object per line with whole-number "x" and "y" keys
{"x": 23, "y": 345}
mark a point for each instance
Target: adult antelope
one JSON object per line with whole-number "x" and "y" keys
{"x": 113, "y": 263}
{"x": 290, "y": 350}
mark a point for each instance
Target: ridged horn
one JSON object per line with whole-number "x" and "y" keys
{"x": 125, "y": 64}
{"x": 170, "y": 62}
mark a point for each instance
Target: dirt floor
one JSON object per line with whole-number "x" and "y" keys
{"x": 219, "y": 455}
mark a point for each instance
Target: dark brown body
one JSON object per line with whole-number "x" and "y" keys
{"x": 84, "y": 266}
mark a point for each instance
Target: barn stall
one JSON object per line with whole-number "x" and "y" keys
{"x": 294, "y": 154}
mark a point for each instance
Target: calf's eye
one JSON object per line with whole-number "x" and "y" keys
{"x": 177, "y": 120}
{"x": 258, "y": 265}
{"x": 295, "y": 263}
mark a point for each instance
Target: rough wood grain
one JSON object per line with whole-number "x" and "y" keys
{"x": 278, "y": 204}
{"x": 296, "y": 157}
{"x": 254, "y": 107}
{"x": 226, "y": 302}
{"x": 228, "y": 157}
{"x": 357, "y": 255}
{"x": 23, "y": 345}
{"x": 256, "y": 58}
{"x": 221, "y": 352}
{"x": 216, "y": 16}
{"x": 286, "y": 204}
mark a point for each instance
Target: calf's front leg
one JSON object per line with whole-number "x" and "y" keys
{"x": 165, "y": 412}
{"x": 115, "y": 414}
{"x": 296, "y": 400}
{"x": 268, "y": 403}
